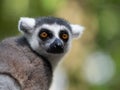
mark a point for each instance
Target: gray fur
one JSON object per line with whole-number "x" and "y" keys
{"x": 29, "y": 70}
{"x": 25, "y": 63}
{"x": 8, "y": 83}
{"x": 51, "y": 20}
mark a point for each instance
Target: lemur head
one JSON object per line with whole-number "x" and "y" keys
{"x": 49, "y": 35}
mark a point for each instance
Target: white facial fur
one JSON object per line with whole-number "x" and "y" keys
{"x": 34, "y": 40}
{"x": 55, "y": 28}
{"x": 29, "y": 23}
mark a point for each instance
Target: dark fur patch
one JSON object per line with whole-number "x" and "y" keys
{"x": 52, "y": 20}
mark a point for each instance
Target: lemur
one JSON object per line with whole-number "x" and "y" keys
{"x": 27, "y": 62}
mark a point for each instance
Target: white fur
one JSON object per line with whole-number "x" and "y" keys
{"x": 8, "y": 83}
{"x": 34, "y": 42}
{"x": 28, "y": 23}
{"x": 77, "y": 30}
{"x": 55, "y": 28}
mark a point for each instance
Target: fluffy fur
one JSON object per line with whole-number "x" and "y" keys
{"x": 25, "y": 63}
{"x": 20, "y": 65}
{"x": 54, "y": 25}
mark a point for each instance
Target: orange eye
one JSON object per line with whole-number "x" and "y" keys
{"x": 43, "y": 35}
{"x": 65, "y": 36}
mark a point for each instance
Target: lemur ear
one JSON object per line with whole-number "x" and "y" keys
{"x": 77, "y": 30}
{"x": 26, "y": 24}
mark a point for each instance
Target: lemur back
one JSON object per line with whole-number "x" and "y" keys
{"x": 22, "y": 69}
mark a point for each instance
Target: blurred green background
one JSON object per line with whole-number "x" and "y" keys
{"x": 94, "y": 60}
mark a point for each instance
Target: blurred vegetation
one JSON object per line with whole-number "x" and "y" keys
{"x": 101, "y": 19}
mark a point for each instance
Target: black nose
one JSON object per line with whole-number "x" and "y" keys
{"x": 57, "y": 44}
{"x": 56, "y": 47}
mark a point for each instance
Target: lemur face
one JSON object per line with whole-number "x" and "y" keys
{"x": 48, "y": 35}
{"x": 53, "y": 38}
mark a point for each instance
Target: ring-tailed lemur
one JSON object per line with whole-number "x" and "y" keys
{"x": 28, "y": 61}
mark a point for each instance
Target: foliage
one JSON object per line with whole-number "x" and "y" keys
{"x": 105, "y": 12}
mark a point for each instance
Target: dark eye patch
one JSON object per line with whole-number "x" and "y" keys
{"x": 45, "y": 34}
{"x": 63, "y": 34}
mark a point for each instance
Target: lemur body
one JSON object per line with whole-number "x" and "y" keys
{"x": 27, "y": 62}
{"x": 27, "y": 70}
